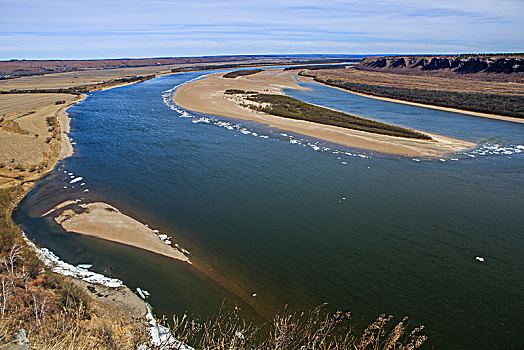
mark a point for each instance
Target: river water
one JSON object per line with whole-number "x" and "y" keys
{"x": 298, "y": 221}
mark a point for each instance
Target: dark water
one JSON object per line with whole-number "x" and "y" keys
{"x": 300, "y": 222}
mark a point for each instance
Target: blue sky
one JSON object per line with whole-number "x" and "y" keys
{"x": 162, "y": 28}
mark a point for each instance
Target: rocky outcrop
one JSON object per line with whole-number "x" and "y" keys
{"x": 465, "y": 64}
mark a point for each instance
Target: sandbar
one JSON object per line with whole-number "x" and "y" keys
{"x": 207, "y": 96}
{"x": 104, "y": 221}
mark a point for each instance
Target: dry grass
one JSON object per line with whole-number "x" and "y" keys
{"x": 56, "y": 314}
{"x": 33, "y": 141}
{"x": 314, "y": 330}
{"x": 13, "y": 127}
{"x": 78, "y": 78}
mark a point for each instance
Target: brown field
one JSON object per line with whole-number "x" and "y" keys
{"x": 30, "y": 67}
{"x": 422, "y": 82}
{"x": 28, "y": 150}
{"x": 79, "y": 78}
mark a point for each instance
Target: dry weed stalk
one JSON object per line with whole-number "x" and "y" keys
{"x": 315, "y": 330}
{"x": 54, "y": 314}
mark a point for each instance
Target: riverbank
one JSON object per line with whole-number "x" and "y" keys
{"x": 488, "y": 99}
{"x": 207, "y": 96}
{"x": 445, "y": 109}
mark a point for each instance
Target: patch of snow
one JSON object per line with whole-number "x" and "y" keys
{"x": 161, "y": 337}
{"x": 63, "y": 268}
{"x": 239, "y": 335}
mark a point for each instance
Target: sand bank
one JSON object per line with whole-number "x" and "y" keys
{"x": 106, "y": 222}
{"x": 207, "y": 96}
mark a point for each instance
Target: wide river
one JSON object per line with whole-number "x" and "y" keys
{"x": 298, "y": 221}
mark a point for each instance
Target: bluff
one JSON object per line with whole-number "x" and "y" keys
{"x": 495, "y": 66}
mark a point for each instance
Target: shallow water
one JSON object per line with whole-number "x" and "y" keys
{"x": 299, "y": 221}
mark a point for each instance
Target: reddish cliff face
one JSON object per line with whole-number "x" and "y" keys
{"x": 466, "y": 64}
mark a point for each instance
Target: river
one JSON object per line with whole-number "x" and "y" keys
{"x": 277, "y": 218}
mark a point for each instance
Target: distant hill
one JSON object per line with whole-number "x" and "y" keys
{"x": 499, "y": 67}
{"x": 18, "y": 68}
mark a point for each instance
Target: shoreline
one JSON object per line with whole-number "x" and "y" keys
{"x": 416, "y": 104}
{"x": 206, "y": 96}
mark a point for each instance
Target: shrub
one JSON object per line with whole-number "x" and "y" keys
{"x": 243, "y": 72}
{"x": 234, "y": 91}
{"x": 289, "y": 107}
{"x": 51, "y": 121}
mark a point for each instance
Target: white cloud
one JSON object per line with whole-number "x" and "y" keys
{"x": 34, "y": 29}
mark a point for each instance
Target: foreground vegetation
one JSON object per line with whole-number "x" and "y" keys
{"x": 288, "y": 107}
{"x": 243, "y": 72}
{"x": 314, "y": 330}
{"x": 508, "y": 105}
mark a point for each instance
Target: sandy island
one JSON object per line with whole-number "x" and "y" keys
{"x": 104, "y": 221}
{"x": 207, "y": 96}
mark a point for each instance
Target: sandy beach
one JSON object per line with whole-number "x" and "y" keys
{"x": 104, "y": 221}
{"x": 207, "y": 96}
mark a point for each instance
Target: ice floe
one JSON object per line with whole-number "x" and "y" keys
{"x": 77, "y": 179}
{"x": 177, "y": 246}
{"x": 488, "y": 149}
{"x": 165, "y": 238}
{"x": 142, "y": 293}
{"x": 239, "y": 335}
